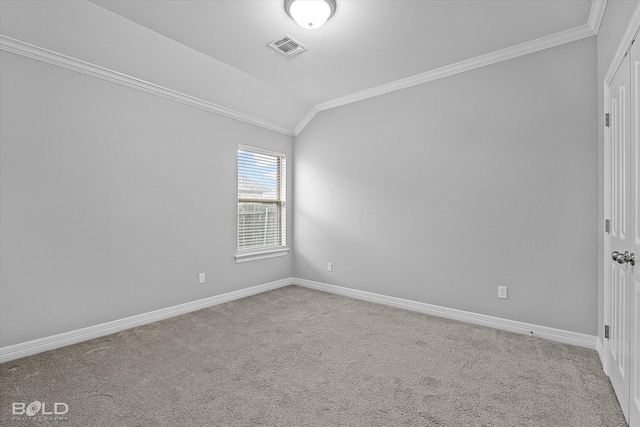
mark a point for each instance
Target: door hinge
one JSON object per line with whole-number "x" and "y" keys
{"x": 606, "y": 120}
{"x": 607, "y": 226}
{"x": 606, "y": 331}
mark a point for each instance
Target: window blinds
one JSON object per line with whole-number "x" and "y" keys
{"x": 261, "y": 199}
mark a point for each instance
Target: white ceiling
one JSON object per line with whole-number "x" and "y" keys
{"x": 365, "y": 44}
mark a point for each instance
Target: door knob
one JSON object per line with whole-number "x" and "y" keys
{"x": 625, "y": 257}
{"x": 617, "y": 256}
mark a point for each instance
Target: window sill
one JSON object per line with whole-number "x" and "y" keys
{"x": 266, "y": 254}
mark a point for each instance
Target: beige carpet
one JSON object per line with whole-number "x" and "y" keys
{"x": 298, "y": 357}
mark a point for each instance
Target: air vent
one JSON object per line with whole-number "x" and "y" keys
{"x": 288, "y": 45}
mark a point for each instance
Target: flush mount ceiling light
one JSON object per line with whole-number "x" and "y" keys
{"x": 310, "y": 14}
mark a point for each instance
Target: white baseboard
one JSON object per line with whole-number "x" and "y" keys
{"x": 67, "y": 338}
{"x": 567, "y": 337}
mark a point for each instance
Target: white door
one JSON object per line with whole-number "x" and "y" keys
{"x": 619, "y": 131}
{"x": 634, "y": 341}
{"x": 624, "y": 333}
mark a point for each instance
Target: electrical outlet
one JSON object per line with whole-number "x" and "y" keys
{"x": 502, "y": 292}
{"x": 201, "y": 278}
{"x": 329, "y": 266}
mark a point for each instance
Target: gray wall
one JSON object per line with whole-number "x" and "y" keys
{"x": 113, "y": 200}
{"x": 441, "y": 192}
{"x": 616, "y": 18}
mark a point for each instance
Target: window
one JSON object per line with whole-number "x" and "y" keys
{"x": 262, "y": 211}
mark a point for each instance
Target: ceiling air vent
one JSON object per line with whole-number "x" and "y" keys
{"x": 288, "y": 45}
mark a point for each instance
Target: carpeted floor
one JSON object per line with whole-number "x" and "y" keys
{"x": 298, "y": 357}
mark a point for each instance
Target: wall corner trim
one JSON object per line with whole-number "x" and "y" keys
{"x": 559, "y": 335}
{"x": 18, "y": 47}
{"x": 40, "y": 345}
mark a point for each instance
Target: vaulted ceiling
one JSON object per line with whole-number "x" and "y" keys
{"x": 365, "y": 44}
{"x": 365, "y": 49}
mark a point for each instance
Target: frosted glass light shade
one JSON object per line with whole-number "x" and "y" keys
{"x": 310, "y": 14}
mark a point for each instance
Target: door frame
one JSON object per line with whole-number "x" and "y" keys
{"x": 629, "y": 34}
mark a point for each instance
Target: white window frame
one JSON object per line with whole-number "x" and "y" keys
{"x": 270, "y": 251}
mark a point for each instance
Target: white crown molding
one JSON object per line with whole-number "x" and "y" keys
{"x": 526, "y": 48}
{"x": 305, "y": 120}
{"x": 559, "y": 335}
{"x": 596, "y": 14}
{"x": 590, "y": 29}
{"x": 34, "y": 52}
{"x": 67, "y": 338}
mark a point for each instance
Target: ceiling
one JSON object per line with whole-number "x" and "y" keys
{"x": 365, "y": 44}
{"x": 223, "y": 63}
